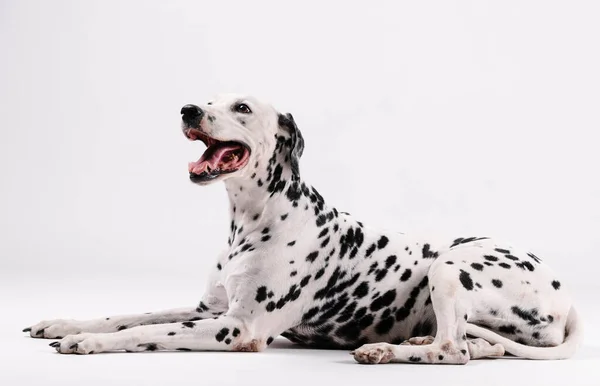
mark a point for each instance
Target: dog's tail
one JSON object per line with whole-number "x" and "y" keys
{"x": 573, "y": 338}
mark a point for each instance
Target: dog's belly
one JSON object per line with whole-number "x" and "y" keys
{"x": 345, "y": 325}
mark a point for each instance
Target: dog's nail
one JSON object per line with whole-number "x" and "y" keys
{"x": 74, "y": 346}
{"x": 54, "y": 344}
{"x": 27, "y": 329}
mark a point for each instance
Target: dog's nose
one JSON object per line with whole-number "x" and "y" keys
{"x": 191, "y": 113}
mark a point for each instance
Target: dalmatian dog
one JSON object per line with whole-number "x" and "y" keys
{"x": 297, "y": 267}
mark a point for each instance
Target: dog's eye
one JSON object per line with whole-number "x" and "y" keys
{"x": 242, "y": 108}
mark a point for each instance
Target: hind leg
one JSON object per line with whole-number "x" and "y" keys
{"x": 449, "y": 289}
{"x": 449, "y": 345}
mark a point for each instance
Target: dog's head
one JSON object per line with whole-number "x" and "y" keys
{"x": 241, "y": 134}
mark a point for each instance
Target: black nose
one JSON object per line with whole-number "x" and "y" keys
{"x": 191, "y": 113}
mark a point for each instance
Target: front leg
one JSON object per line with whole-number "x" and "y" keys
{"x": 224, "y": 333}
{"x": 213, "y": 303}
{"x": 58, "y": 328}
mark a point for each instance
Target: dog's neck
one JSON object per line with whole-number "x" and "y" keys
{"x": 267, "y": 192}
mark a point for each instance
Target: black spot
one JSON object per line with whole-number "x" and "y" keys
{"x": 500, "y": 250}
{"x": 528, "y": 315}
{"x": 362, "y": 290}
{"x": 525, "y": 265}
{"x": 465, "y": 279}
{"x": 323, "y": 232}
{"x": 222, "y": 334}
{"x": 504, "y": 265}
{"x": 511, "y": 257}
{"x": 319, "y": 273}
{"x": 406, "y": 275}
{"x": 449, "y": 262}
{"x": 382, "y": 242}
{"x": 256, "y": 216}
{"x": 463, "y": 351}
{"x": 428, "y": 253}
{"x": 236, "y": 332}
{"x": 535, "y": 335}
{"x": 305, "y": 281}
{"x": 508, "y": 329}
{"x": 261, "y": 294}
{"x": 293, "y": 273}
{"x": 441, "y": 357}
{"x": 189, "y": 324}
{"x": 219, "y": 266}
{"x": 291, "y": 243}
{"x": 381, "y": 274}
{"x": 265, "y": 238}
{"x": 477, "y": 266}
{"x": 270, "y": 340}
{"x": 462, "y": 240}
{"x": 171, "y": 333}
{"x": 413, "y": 358}
{"x": 534, "y": 257}
{"x": 120, "y": 328}
{"x": 370, "y": 250}
{"x": 321, "y": 220}
{"x": 312, "y": 256}
{"x": 325, "y": 242}
{"x": 556, "y": 284}
{"x": 227, "y": 341}
{"x": 497, "y": 283}
{"x": 384, "y": 300}
{"x": 283, "y": 217}
{"x": 490, "y": 258}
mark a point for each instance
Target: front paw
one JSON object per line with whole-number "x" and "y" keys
{"x": 78, "y": 344}
{"x": 54, "y": 329}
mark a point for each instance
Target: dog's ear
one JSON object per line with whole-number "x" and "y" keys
{"x": 286, "y": 122}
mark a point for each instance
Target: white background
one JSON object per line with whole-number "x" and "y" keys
{"x": 467, "y": 118}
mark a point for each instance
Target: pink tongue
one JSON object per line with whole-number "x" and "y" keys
{"x": 212, "y": 163}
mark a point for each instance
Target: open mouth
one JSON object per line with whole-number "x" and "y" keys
{"x": 220, "y": 157}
